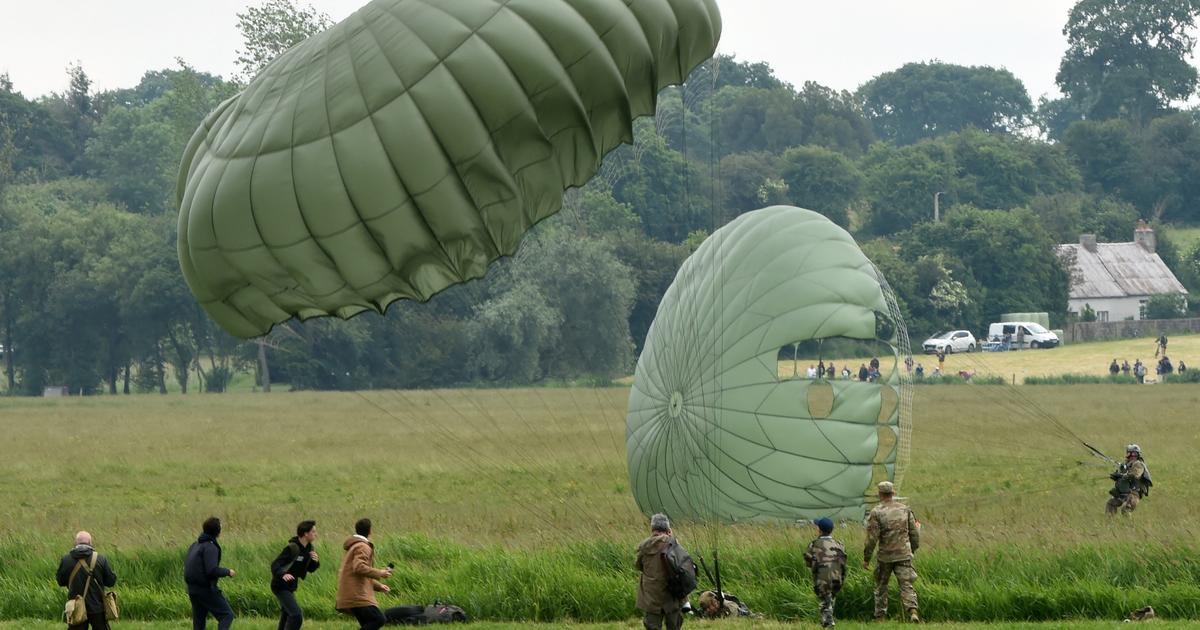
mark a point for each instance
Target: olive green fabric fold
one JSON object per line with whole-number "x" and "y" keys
{"x": 409, "y": 146}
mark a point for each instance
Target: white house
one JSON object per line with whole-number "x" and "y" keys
{"x": 1117, "y": 279}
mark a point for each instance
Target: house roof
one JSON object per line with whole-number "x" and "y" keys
{"x": 1117, "y": 270}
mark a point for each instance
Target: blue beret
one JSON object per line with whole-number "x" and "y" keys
{"x": 825, "y": 524}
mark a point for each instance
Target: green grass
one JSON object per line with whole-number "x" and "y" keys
{"x": 1185, "y": 238}
{"x": 514, "y": 503}
{"x": 766, "y": 624}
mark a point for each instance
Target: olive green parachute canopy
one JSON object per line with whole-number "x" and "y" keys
{"x": 409, "y": 146}
{"x": 715, "y": 429}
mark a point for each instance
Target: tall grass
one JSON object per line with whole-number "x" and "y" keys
{"x": 595, "y": 582}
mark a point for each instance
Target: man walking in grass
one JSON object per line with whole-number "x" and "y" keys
{"x": 85, "y": 572}
{"x": 201, "y": 571}
{"x": 294, "y": 563}
{"x": 892, "y": 527}
{"x": 358, "y": 579}
{"x": 654, "y": 596}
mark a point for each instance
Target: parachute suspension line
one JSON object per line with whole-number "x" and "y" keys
{"x": 1023, "y": 404}
{"x": 714, "y": 213}
{"x": 468, "y": 461}
{"x": 904, "y": 418}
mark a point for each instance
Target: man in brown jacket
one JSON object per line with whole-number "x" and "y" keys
{"x": 358, "y": 579}
{"x": 653, "y": 599}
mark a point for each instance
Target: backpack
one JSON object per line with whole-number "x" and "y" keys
{"x": 294, "y": 550}
{"x": 680, "y": 569}
{"x": 424, "y": 615}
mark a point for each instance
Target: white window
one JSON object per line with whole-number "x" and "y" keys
{"x": 1101, "y": 316}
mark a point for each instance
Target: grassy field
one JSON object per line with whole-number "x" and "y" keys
{"x": 514, "y": 503}
{"x": 1090, "y": 358}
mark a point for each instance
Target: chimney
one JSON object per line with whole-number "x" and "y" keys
{"x": 1088, "y": 241}
{"x": 1143, "y": 235}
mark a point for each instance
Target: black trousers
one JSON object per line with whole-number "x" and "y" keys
{"x": 96, "y": 621}
{"x": 369, "y": 617}
{"x": 214, "y": 603}
{"x": 290, "y": 615}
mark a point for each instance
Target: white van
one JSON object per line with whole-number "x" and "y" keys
{"x": 1022, "y": 335}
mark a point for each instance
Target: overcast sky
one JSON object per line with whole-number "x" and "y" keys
{"x": 838, "y": 44}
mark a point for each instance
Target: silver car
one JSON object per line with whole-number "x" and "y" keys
{"x": 950, "y": 342}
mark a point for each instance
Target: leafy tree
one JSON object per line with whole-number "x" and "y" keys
{"x": 900, "y": 184}
{"x": 660, "y": 190}
{"x": 41, "y": 144}
{"x": 1129, "y": 58}
{"x": 273, "y": 27}
{"x": 1106, "y": 152}
{"x": 133, "y": 152}
{"x": 1166, "y": 306}
{"x": 822, "y": 180}
{"x": 1067, "y": 215}
{"x": 509, "y": 335}
{"x": 924, "y": 100}
{"x": 1169, "y": 165}
{"x": 745, "y": 181}
{"x": 1009, "y": 264}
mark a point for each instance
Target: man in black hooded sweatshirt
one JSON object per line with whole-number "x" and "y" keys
{"x": 294, "y": 563}
{"x": 201, "y": 570}
{"x": 100, "y": 574}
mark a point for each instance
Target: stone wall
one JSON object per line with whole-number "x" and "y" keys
{"x": 1081, "y": 332}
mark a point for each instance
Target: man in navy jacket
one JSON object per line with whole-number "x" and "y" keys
{"x": 201, "y": 570}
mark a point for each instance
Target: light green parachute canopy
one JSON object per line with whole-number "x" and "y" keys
{"x": 716, "y": 431}
{"x": 409, "y": 146}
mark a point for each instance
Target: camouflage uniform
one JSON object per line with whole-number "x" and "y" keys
{"x": 1128, "y": 490}
{"x": 827, "y": 559}
{"x": 892, "y": 526}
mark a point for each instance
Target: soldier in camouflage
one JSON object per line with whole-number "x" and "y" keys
{"x": 892, "y": 527}
{"x": 827, "y": 559}
{"x": 1130, "y": 482}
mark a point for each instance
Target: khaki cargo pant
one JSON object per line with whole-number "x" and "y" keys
{"x": 1127, "y": 503}
{"x": 905, "y": 576}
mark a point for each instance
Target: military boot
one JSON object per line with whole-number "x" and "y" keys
{"x": 912, "y": 616}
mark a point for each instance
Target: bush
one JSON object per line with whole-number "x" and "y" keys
{"x": 1081, "y": 379}
{"x": 218, "y": 379}
{"x": 1190, "y": 376}
{"x": 954, "y": 379}
{"x": 1168, "y": 306}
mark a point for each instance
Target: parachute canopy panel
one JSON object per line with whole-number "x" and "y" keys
{"x": 409, "y": 146}
{"x": 716, "y": 430}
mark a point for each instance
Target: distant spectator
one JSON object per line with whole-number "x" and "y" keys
{"x": 920, "y": 371}
{"x": 908, "y": 364}
{"x": 874, "y": 363}
{"x": 830, "y": 371}
{"x": 873, "y": 375}
{"x": 845, "y": 373}
{"x": 1182, "y": 366}
{"x": 1125, "y": 369}
{"x": 941, "y": 357}
{"x": 1164, "y": 366}
{"x": 1114, "y": 368}
{"x": 863, "y": 373}
{"x": 1162, "y": 345}
{"x": 811, "y": 373}
{"x": 1139, "y": 371}
{"x": 821, "y": 368}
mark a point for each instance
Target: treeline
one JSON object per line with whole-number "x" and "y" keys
{"x": 91, "y": 296}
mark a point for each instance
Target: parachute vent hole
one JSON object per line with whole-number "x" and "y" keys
{"x": 820, "y": 399}
{"x": 676, "y": 406}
